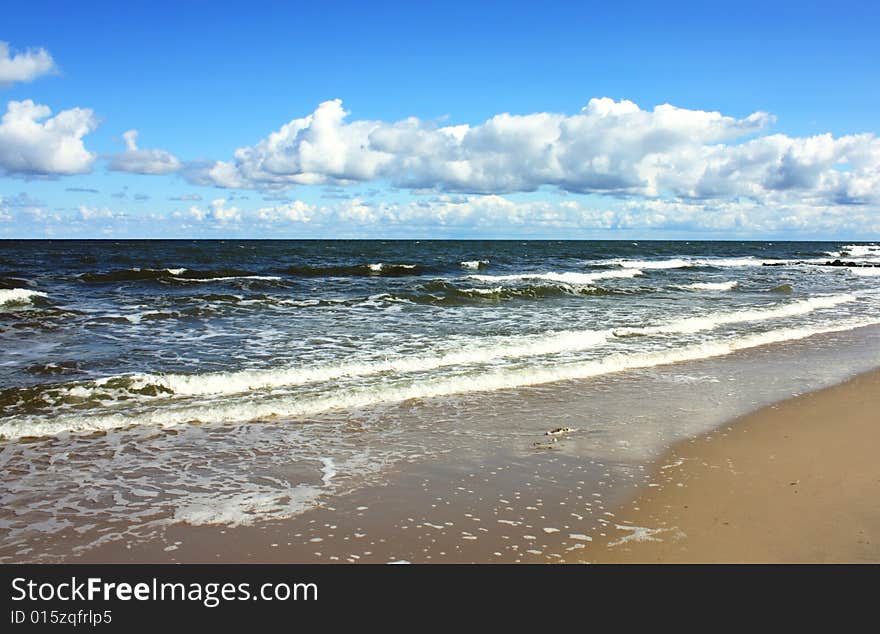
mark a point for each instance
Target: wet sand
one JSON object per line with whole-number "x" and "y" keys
{"x": 794, "y": 482}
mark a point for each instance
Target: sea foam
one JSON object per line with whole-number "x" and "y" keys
{"x": 567, "y": 277}
{"x": 294, "y": 406}
{"x": 12, "y": 296}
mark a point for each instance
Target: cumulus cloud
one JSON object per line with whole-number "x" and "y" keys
{"x": 95, "y": 213}
{"x": 24, "y": 66}
{"x": 217, "y": 212}
{"x": 295, "y": 211}
{"x": 32, "y": 142}
{"x": 609, "y": 147}
{"x": 139, "y": 161}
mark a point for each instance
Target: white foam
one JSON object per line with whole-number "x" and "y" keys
{"x": 711, "y": 286}
{"x": 567, "y": 277}
{"x": 681, "y": 263}
{"x": 861, "y": 250}
{"x": 712, "y": 321}
{"x": 675, "y": 263}
{"x": 491, "y": 350}
{"x": 233, "y": 277}
{"x": 473, "y": 264}
{"x": 864, "y": 271}
{"x": 732, "y": 262}
{"x": 18, "y": 296}
{"x": 295, "y": 406}
{"x": 467, "y": 353}
{"x": 176, "y": 271}
{"x": 379, "y": 266}
{"x": 328, "y": 470}
{"x": 246, "y": 506}
{"x": 483, "y": 291}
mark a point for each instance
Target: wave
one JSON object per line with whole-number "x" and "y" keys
{"x": 294, "y": 407}
{"x": 378, "y": 269}
{"x": 710, "y": 286}
{"x": 565, "y": 278}
{"x": 441, "y": 292}
{"x": 865, "y": 271}
{"x": 681, "y": 263}
{"x": 265, "y": 278}
{"x": 675, "y": 263}
{"x": 710, "y": 322}
{"x": 12, "y": 281}
{"x": 468, "y": 353}
{"x": 19, "y": 296}
{"x": 860, "y": 250}
{"x": 171, "y": 276}
{"x": 474, "y": 264}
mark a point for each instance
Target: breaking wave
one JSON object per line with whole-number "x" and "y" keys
{"x": 19, "y": 296}
{"x": 243, "y": 410}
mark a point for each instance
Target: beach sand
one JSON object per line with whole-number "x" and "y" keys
{"x": 794, "y": 482}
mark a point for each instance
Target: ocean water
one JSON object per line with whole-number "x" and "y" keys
{"x": 148, "y": 383}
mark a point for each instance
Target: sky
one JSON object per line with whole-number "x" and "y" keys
{"x": 440, "y": 120}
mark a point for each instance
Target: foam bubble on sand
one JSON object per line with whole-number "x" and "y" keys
{"x": 643, "y": 534}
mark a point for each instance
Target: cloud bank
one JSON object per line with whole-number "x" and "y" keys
{"x": 609, "y": 147}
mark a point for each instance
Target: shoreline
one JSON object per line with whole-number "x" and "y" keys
{"x": 792, "y": 482}
{"x": 506, "y": 500}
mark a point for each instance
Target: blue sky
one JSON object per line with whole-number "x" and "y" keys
{"x": 772, "y": 132}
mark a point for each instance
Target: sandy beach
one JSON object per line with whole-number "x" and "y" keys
{"x": 794, "y": 482}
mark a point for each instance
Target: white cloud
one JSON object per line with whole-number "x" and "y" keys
{"x": 140, "y": 161}
{"x": 501, "y": 215}
{"x": 610, "y": 147}
{"x": 296, "y": 211}
{"x": 469, "y": 215}
{"x": 217, "y": 211}
{"x": 95, "y": 213}
{"x": 25, "y": 66}
{"x": 34, "y": 143}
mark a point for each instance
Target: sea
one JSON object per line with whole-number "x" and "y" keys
{"x": 208, "y": 383}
